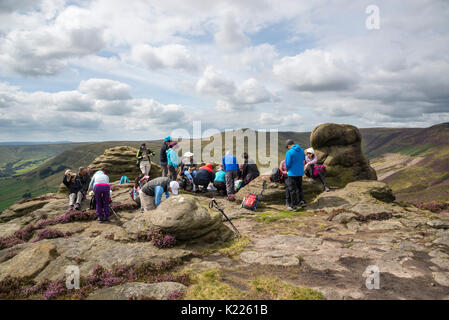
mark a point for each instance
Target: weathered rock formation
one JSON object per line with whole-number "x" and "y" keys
{"x": 121, "y": 161}
{"x": 338, "y": 146}
{"x": 185, "y": 217}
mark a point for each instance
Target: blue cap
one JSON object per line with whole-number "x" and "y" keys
{"x": 167, "y": 139}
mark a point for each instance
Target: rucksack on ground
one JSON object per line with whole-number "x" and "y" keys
{"x": 250, "y": 201}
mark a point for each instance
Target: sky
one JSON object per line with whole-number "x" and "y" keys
{"x": 95, "y": 70}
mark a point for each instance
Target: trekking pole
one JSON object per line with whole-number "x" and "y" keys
{"x": 213, "y": 203}
{"x": 260, "y": 196}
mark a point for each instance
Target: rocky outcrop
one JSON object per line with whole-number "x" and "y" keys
{"x": 121, "y": 161}
{"x": 339, "y": 148}
{"x": 185, "y": 217}
{"x": 366, "y": 199}
{"x": 138, "y": 290}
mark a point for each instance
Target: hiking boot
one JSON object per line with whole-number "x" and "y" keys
{"x": 77, "y": 206}
{"x": 327, "y": 189}
{"x": 70, "y": 208}
{"x": 303, "y": 204}
{"x": 142, "y": 210}
{"x": 291, "y": 208}
{"x": 99, "y": 219}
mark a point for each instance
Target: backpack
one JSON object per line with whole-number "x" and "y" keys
{"x": 275, "y": 175}
{"x": 319, "y": 168}
{"x": 124, "y": 180}
{"x": 250, "y": 201}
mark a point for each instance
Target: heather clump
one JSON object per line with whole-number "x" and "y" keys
{"x": 158, "y": 238}
{"x": 434, "y": 206}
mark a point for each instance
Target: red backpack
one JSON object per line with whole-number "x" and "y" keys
{"x": 250, "y": 201}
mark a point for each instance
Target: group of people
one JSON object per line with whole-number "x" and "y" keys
{"x": 227, "y": 179}
{"x": 298, "y": 163}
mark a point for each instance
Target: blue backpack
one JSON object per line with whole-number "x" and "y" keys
{"x": 124, "y": 180}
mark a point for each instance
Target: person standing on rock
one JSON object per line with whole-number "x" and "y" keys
{"x": 294, "y": 162}
{"x": 143, "y": 159}
{"x": 164, "y": 161}
{"x": 230, "y": 166}
{"x": 172, "y": 160}
{"x": 310, "y": 162}
{"x": 73, "y": 184}
{"x": 102, "y": 192}
{"x": 151, "y": 192}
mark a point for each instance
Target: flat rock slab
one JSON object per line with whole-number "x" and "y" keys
{"x": 159, "y": 291}
{"x": 438, "y": 224}
{"x": 28, "y": 262}
{"x": 442, "y": 278}
{"x": 385, "y": 225}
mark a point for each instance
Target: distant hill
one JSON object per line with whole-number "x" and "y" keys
{"x": 30, "y": 143}
{"x": 413, "y": 161}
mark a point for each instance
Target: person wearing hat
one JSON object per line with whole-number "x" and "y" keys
{"x": 151, "y": 192}
{"x": 187, "y": 163}
{"x": 294, "y": 162}
{"x": 172, "y": 160}
{"x": 310, "y": 161}
{"x": 74, "y": 186}
{"x": 204, "y": 176}
{"x": 164, "y": 161}
{"x": 143, "y": 159}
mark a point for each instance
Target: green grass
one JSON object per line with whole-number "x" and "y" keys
{"x": 236, "y": 246}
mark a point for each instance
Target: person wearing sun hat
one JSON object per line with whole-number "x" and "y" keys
{"x": 309, "y": 166}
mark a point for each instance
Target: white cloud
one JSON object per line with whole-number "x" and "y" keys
{"x": 315, "y": 70}
{"x": 172, "y": 56}
{"x": 105, "y": 89}
{"x": 230, "y": 37}
{"x": 214, "y": 83}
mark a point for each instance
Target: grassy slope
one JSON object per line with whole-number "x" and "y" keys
{"x": 47, "y": 177}
{"x": 17, "y": 160}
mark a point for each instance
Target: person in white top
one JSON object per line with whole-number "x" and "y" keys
{"x": 309, "y": 165}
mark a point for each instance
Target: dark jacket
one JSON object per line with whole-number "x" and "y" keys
{"x": 250, "y": 170}
{"x": 164, "y": 153}
{"x": 203, "y": 177}
{"x": 149, "y": 187}
{"x": 140, "y": 154}
{"x": 84, "y": 180}
{"x": 73, "y": 187}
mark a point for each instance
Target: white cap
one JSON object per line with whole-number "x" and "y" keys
{"x": 174, "y": 186}
{"x": 310, "y": 150}
{"x": 188, "y": 154}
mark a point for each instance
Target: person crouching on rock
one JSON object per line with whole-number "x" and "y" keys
{"x": 151, "y": 192}
{"x": 102, "y": 190}
{"x": 204, "y": 176}
{"x": 220, "y": 181}
{"x": 249, "y": 171}
{"x": 140, "y": 181}
{"x": 294, "y": 162}
{"x": 310, "y": 162}
{"x": 74, "y": 186}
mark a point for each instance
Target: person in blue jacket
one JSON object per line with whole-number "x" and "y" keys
{"x": 172, "y": 160}
{"x": 294, "y": 162}
{"x": 230, "y": 166}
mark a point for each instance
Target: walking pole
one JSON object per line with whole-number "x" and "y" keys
{"x": 260, "y": 196}
{"x": 213, "y": 203}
